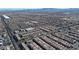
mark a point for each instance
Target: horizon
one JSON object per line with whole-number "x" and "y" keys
{"x": 39, "y": 8}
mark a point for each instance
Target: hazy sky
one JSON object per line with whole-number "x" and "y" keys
{"x": 39, "y": 3}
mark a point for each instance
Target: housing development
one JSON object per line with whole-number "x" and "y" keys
{"x": 39, "y": 31}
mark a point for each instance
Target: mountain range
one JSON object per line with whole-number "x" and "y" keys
{"x": 39, "y": 10}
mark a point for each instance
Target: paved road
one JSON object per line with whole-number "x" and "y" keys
{"x": 10, "y": 34}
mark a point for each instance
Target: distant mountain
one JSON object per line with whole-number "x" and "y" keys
{"x": 53, "y": 10}
{"x": 39, "y": 10}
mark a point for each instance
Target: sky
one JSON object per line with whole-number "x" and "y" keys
{"x": 39, "y": 4}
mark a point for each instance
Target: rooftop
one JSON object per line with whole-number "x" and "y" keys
{"x": 5, "y": 16}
